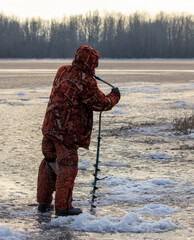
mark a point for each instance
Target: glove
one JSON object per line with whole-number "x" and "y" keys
{"x": 116, "y": 92}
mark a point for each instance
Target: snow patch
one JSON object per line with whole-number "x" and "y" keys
{"x": 83, "y": 164}
{"x": 115, "y": 180}
{"x": 160, "y": 181}
{"x": 158, "y": 156}
{"x": 127, "y": 190}
{"x": 190, "y": 190}
{"x": 180, "y": 101}
{"x": 191, "y": 136}
{"x": 152, "y": 130}
{"x": 7, "y": 234}
{"x": 131, "y": 222}
{"x": 157, "y": 209}
{"x": 21, "y": 93}
{"x": 115, "y": 164}
{"x": 117, "y": 112}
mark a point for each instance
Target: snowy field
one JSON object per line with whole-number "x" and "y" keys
{"x": 146, "y": 189}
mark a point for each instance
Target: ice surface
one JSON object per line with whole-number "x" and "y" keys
{"x": 130, "y": 222}
{"x": 7, "y": 234}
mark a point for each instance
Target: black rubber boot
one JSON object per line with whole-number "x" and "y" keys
{"x": 44, "y": 207}
{"x": 72, "y": 211}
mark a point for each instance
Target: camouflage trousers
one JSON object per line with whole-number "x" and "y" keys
{"x": 60, "y": 181}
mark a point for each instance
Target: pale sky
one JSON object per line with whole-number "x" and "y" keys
{"x": 48, "y": 9}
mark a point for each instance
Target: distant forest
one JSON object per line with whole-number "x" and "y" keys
{"x": 114, "y": 35}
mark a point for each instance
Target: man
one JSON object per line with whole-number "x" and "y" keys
{"x": 67, "y": 126}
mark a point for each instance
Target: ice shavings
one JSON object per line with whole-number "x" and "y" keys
{"x": 157, "y": 209}
{"x": 7, "y": 234}
{"x": 131, "y": 222}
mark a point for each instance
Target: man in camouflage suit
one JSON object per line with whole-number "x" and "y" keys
{"x": 67, "y": 126}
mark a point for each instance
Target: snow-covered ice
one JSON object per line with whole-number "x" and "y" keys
{"x": 137, "y": 191}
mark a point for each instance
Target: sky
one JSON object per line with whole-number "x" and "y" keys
{"x": 48, "y": 9}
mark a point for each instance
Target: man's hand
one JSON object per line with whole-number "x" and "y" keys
{"x": 116, "y": 92}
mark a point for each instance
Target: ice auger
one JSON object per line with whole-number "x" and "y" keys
{"x": 97, "y": 155}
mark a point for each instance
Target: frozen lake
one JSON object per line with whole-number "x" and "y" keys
{"x": 147, "y": 168}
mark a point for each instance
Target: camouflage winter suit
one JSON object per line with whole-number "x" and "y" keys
{"x": 68, "y": 125}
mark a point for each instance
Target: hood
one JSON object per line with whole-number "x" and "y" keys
{"x": 86, "y": 58}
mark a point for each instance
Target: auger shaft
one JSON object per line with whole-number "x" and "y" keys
{"x": 98, "y": 154}
{"x": 96, "y": 165}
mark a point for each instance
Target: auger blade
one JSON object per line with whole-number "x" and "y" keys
{"x": 94, "y": 196}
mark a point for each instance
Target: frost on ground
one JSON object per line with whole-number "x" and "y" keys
{"x": 7, "y": 234}
{"x": 131, "y": 222}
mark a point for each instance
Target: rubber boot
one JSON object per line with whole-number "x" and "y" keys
{"x": 45, "y": 207}
{"x": 72, "y": 211}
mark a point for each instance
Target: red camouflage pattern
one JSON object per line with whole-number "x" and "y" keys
{"x": 68, "y": 124}
{"x": 63, "y": 182}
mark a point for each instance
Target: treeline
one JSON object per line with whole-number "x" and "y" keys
{"x": 115, "y": 35}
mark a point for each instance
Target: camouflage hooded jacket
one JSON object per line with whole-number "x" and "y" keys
{"x": 74, "y": 97}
